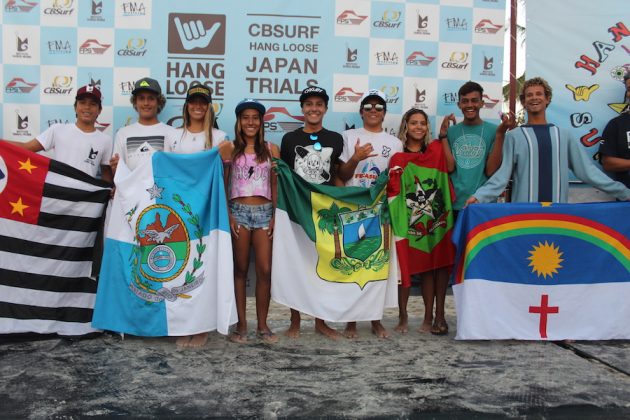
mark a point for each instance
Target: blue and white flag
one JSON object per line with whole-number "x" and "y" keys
{"x": 167, "y": 267}
{"x": 542, "y": 271}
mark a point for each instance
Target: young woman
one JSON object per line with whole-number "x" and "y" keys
{"x": 251, "y": 185}
{"x": 421, "y": 211}
{"x": 198, "y": 132}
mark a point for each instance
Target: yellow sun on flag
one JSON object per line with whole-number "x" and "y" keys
{"x": 545, "y": 259}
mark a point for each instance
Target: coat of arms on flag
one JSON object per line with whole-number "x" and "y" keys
{"x": 49, "y": 216}
{"x": 167, "y": 268}
{"x": 332, "y": 257}
{"x": 541, "y": 271}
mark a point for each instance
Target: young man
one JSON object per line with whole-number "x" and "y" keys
{"x": 472, "y": 151}
{"x": 366, "y": 154}
{"x": 137, "y": 142}
{"x": 539, "y": 155}
{"x": 79, "y": 145}
{"x": 313, "y": 153}
{"x": 615, "y": 146}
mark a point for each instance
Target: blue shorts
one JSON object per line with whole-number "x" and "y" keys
{"x": 252, "y": 216}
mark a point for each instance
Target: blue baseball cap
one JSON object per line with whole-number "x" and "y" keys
{"x": 250, "y": 104}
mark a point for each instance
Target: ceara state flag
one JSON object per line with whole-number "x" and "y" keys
{"x": 332, "y": 257}
{"x": 420, "y": 202}
{"x": 541, "y": 271}
{"x": 50, "y": 214}
{"x": 167, "y": 266}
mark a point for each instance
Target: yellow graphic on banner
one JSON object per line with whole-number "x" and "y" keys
{"x": 352, "y": 241}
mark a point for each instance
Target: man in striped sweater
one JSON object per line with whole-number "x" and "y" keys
{"x": 539, "y": 155}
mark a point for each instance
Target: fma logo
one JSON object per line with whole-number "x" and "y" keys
{"x": 389, "y": 20}
{"x": 386, "y": 58}
{"x": 19, "y": 85}
{"x": 456, "y": 24}
{"x": 136, "y": 47}
{"x": 59, "y": 46}
{"x": 352, "y": 55}
{"x": 60, "y": 8}
{"x": 346, "y": 94}
{"x": 19, "y": 6}
{"x": 133, "y": 8}
{"x": 485, "y": 26}
{"x": 350, "y": 17}
{"x": 21, "y": 125}
{"x": 449, "y": 98}
{"x": 54, "y": 121}
{"x": 391, "y": 94}
{"x": 278, "y": 119}
{"x": 61, "y": 85}
{"x": 418, "y": 58}
{"x": 422, "y": 23}
{"x": 488, "y": 102}
{"x": 93, "y": 47}
{"x": 126, "y": 87}
{"x": 97, "y": 12}
{"x": 196, "y": 34}
{"x": 458, "y": 60}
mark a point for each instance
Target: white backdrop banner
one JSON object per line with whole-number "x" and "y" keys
{"x": 583, "y": 52}
{"x": 418, "y": 52}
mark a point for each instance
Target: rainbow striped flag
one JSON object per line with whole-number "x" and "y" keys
{"x": 542, "y": 271}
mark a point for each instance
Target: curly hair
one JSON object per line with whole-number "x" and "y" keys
{"x": 402, "y": 131}
{"x": 536, "y": 81}
{"x": 160, "y": 98}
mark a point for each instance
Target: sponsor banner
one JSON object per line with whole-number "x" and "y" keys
{"x": 587, "y": 66}
{"x": 269, "y": 51}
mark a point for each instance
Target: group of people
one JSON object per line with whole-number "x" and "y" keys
{"x": 480, "y": 157}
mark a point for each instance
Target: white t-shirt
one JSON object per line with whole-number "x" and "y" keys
{"x": 184, "y": 142}
{"x": 71, "y": 145}
{"x": 385, "y": 146}
{"x": 136, "y": 143}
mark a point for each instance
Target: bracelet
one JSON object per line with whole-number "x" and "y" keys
{"x": 442, "y": 136}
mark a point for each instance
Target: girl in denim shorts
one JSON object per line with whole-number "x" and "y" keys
{"x": 251, "y": 187}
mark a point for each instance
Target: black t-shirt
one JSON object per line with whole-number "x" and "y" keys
{"x": 616, "y": 143}
{"x": 318, "y": 167}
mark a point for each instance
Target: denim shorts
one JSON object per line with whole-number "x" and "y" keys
{"x": 252, "y": 216}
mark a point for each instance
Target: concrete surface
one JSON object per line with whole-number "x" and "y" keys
{"x": 413, "y": 375}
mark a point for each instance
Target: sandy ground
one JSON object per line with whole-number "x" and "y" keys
{"x": 403, "y": 376}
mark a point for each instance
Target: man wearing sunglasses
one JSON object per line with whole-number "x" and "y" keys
{"x": 366, "y": 154}
{"x": 313, "y": 153}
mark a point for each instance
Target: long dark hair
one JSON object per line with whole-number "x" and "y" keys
{"x": 260, "y": 145}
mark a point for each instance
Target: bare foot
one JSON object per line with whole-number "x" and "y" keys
{"x": 267, "y": 336}
{"x": 198, "y": 340}
{"x": 379, "y": 330}
{"x": 322, "y": 328}
{"x": 239, "y": 337}
{"x": 293, "y": 331}
{"x": 183, "y": 341}
{"x": 403, "y": 326}
{"x": 425, "y": 327}
{"x": 351, "y": 330}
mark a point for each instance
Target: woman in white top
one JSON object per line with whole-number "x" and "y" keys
{"x": 198, "y": 132}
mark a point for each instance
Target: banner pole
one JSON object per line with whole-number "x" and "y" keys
{"x": 512, "y": 99}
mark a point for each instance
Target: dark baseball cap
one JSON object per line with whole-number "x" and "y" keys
{"x": 146, "y": 83}
{"x": 199, "y": 90}
{"x": 249, "y": 104}
{"x": 89, "y": 90}
{"x": 314, "y": 91}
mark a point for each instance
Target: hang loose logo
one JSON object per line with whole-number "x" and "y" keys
{"x": 193, "y": 35}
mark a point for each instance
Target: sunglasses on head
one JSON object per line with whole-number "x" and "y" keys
{"x": 369, "y": 107}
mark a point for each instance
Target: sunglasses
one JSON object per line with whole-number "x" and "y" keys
{"x": 369, "y": 107}
{"x": 317, "y": 146}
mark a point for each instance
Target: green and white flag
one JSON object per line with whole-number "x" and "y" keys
{"x": 331, "y": 251}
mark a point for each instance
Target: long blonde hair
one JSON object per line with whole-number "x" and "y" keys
{"x": 208, "y": 123}
{"x": 402, "y": 131}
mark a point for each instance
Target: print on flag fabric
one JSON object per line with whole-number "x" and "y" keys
{"x": 552, "y": 271}
{"x": 167, "y": 265}
{"x": 49, "y": 216}
{"x": 334, "y": 259}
